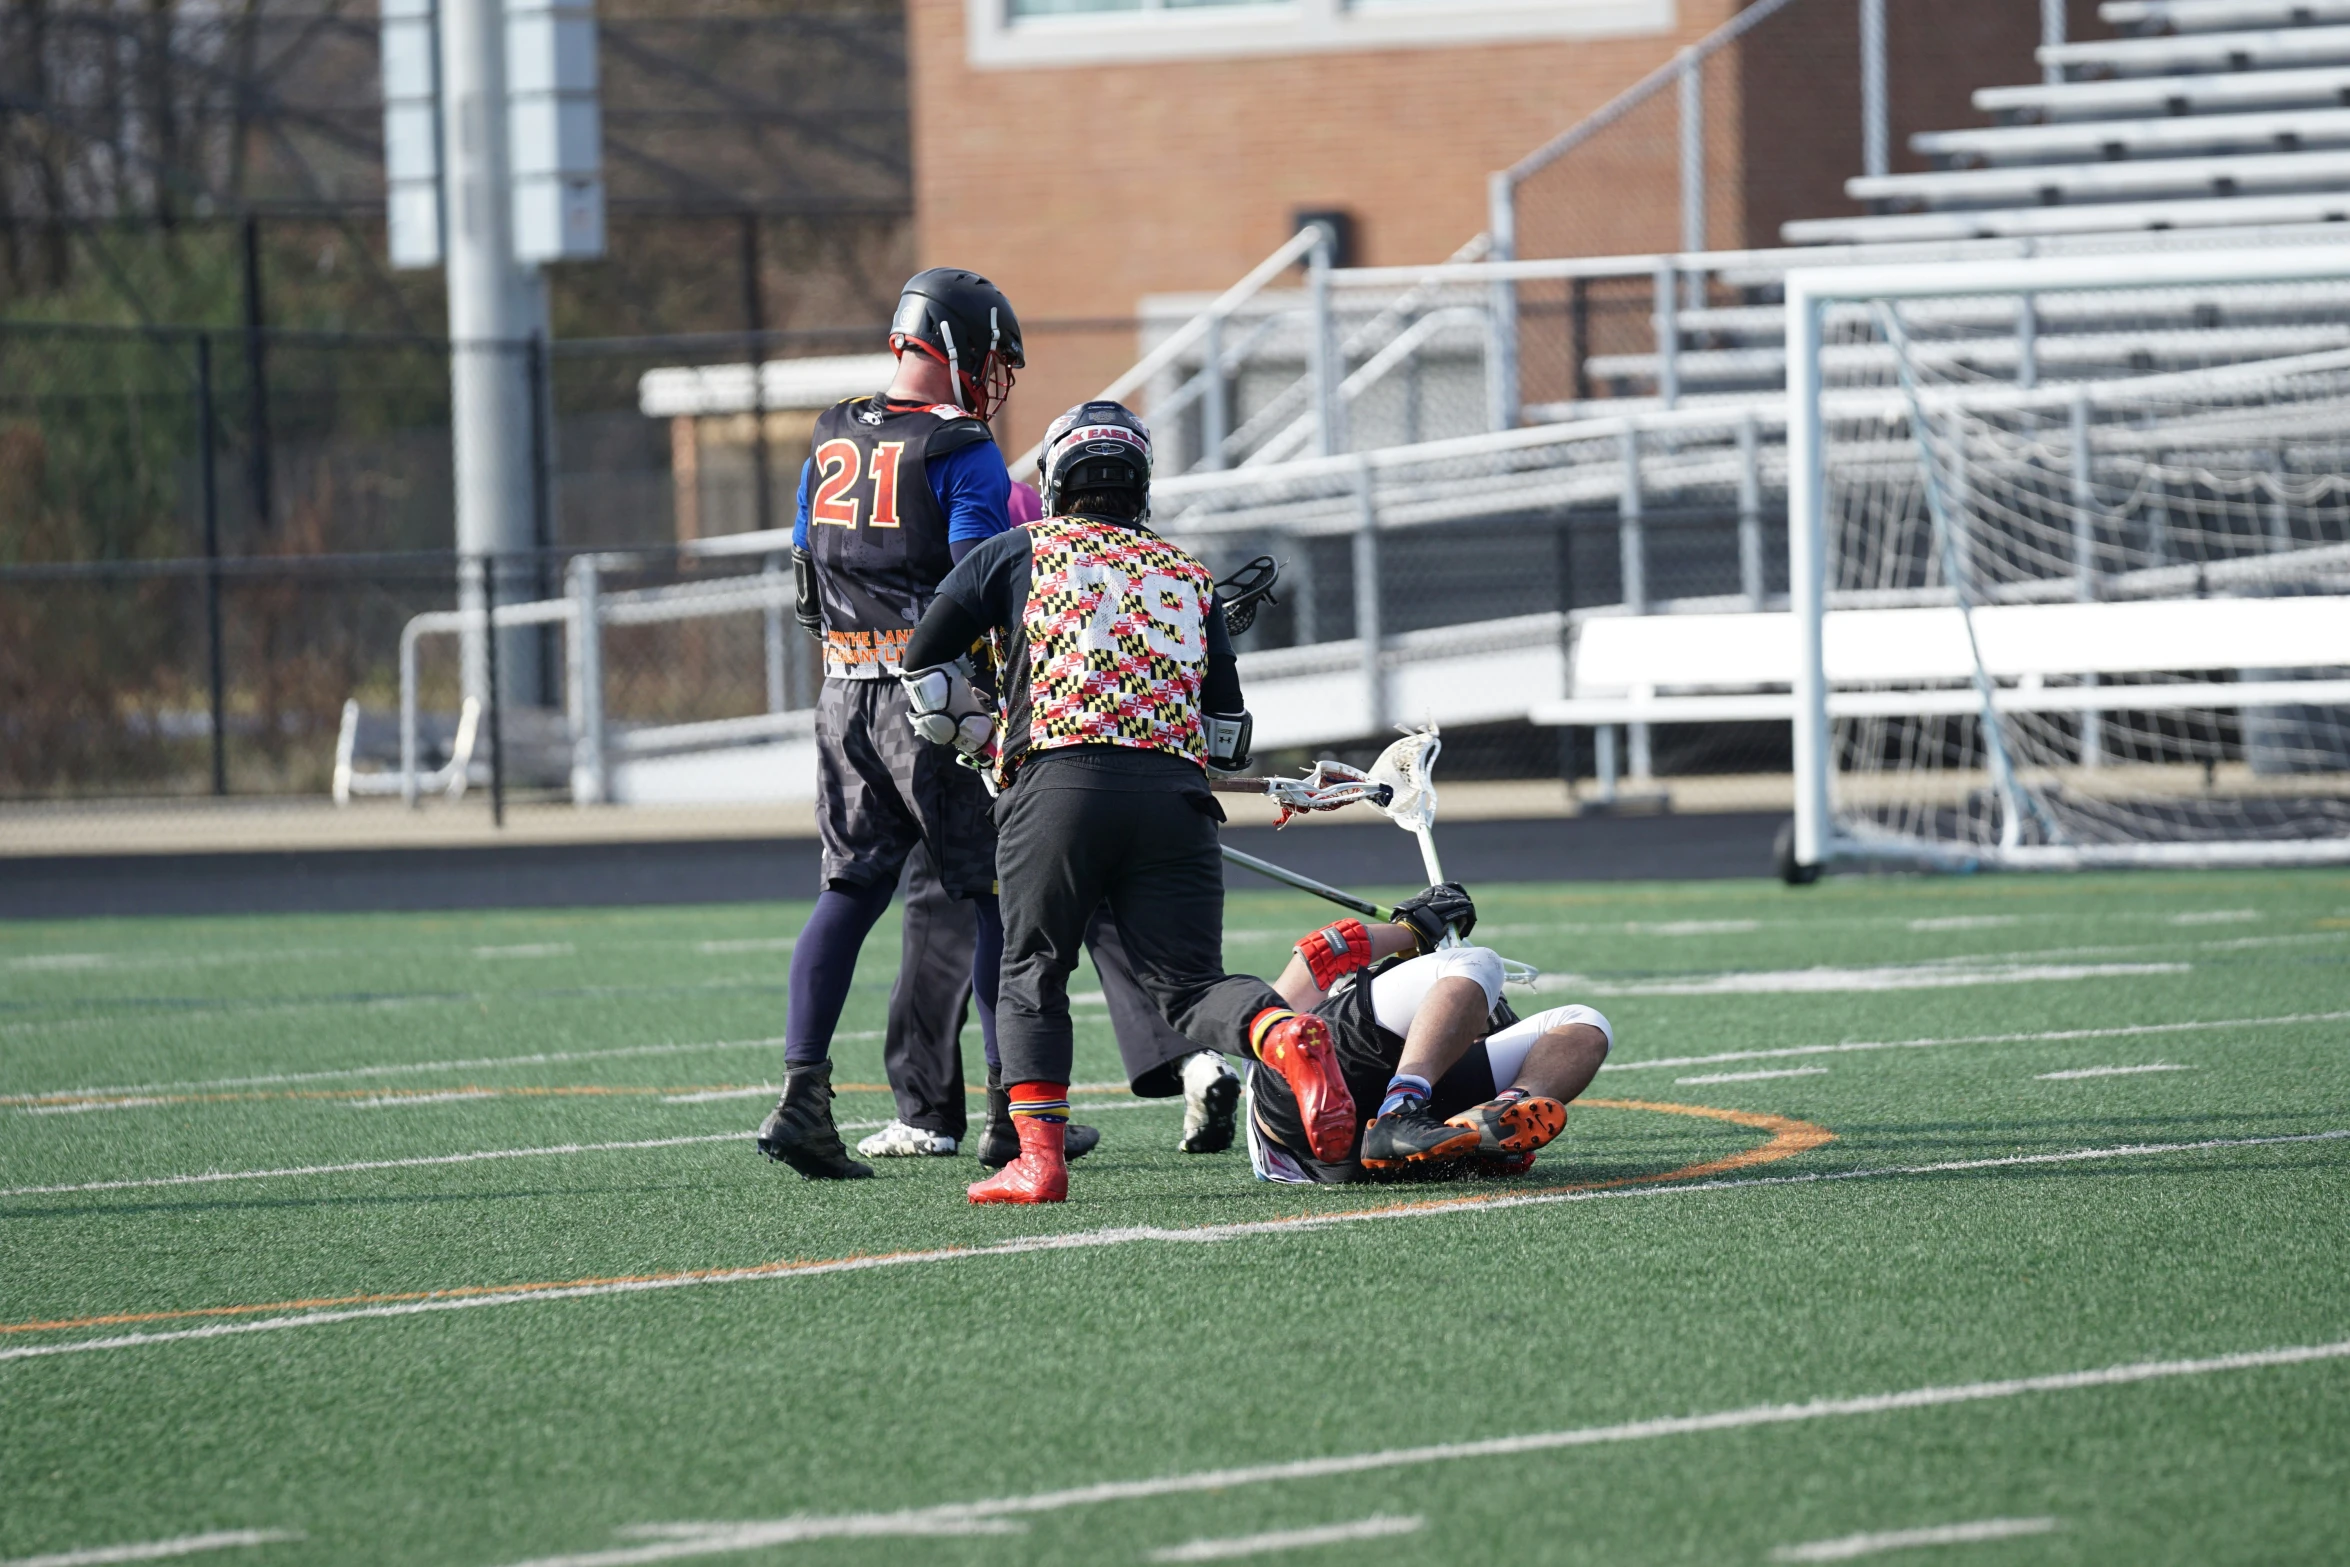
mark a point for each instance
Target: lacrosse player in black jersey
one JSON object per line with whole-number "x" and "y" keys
{"x": 1422, "y": 1032}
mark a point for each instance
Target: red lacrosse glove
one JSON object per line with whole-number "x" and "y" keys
{"x": 1335, "y": 951}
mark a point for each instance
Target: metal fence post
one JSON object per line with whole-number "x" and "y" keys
{"x": 588, "y": 784}
{"x": 771, "y": 577}
{"x": 1692, "y": 95}
{"x": 1322, "y": 350}
{"x": 257, "y": 382}
{"x": 489, "y": 631}
{"x": 755, "y": 318}
{"x": 1215, "y": 418}
{"x": 1668, "y": 334}
{"x": 1501, "y": 306}
{"x": 542, "y": 503}
{"x": 216, "y": 675}
{"x": 2051, "y": 33}
{"x": 2027, "y": 342}
{"x": 1367, "y": 627}
{"x": 1632, "y": 558}
{"x": 1750, "y": 556}
{"x": 2085, "y": 556}
{"x": 1876, "y": 135}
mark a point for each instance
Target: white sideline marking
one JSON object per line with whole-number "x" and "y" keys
{"x": 2111, "y": 1071}
{"x": 1824, "y": 980}
{"x": 2121, "y": 1032}
{"x": 709, "y": 1094}
{"x": 1695, "y": 927}
{"x": 540, "y": 1058}
{"x": 210, "y": 1176}
{"x": 1088, "y": 1240}
{"x": 394, "y": 1101}
{"x": 1754, "y": 1077}
{"x": 156, "y": 1550}
{"x": 1853, "y": 1545}
{"x": 1375, "y": 1527}
{"x": 86, "y": 1107}
{"x": 2214, "y": 916}
{"x": 60, "y": 960}
{"x": 747, "y": 944}
{"x": 750, "y": 1536}
{"x": 1966, "y": 922}
{"x": 528, "y": 949}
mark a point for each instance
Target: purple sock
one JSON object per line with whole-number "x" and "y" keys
{"x": 1404, "y": 1090}
{"x": 823, "y": 962}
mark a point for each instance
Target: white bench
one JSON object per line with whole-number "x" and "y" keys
{"x": 2130, "y": 179}
{"x": 2225, "y": 92}
{"x": 1892, "y": 663}
{"x": 2094, "y": 217}
{"x": 2170, "y": 54}
{"x": 2267, "y": 130}
{"x": 2214, "y": 16}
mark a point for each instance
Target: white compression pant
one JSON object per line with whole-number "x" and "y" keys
{"x": 1396, "y": 997}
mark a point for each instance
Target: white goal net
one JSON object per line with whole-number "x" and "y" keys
{"x": 2081, "y": 581}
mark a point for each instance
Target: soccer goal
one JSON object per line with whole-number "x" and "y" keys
{"x": 2070, "y": 561}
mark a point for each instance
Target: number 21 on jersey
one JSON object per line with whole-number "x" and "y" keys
{"x": 839, "y": 466}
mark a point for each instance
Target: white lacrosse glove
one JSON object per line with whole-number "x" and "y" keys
{"x": 1228, "y": 737}
{"x": 947, "y": 711}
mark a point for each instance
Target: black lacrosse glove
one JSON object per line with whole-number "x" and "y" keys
{"x": 1427, "y": 915}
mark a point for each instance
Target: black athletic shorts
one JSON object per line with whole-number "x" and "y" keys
{"x": 1367, "y": 1057}
{"x": 881, "y": 789}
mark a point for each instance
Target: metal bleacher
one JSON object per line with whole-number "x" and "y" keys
{"x": 2206, "y": 114}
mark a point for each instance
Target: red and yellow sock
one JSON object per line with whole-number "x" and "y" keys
{"x": 1263, "y": 1023}
{"x": 1041, "y": 1101}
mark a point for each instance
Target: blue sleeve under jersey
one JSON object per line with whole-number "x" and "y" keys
{"x": 974, "y": 489}
{"x": 799, "y": 527}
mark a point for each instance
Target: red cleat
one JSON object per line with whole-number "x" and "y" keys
{"x": 1040, "y": 1174}
{"x": 1298, "y": 1047}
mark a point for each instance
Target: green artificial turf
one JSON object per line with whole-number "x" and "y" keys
{"x": 512, "y": 1430}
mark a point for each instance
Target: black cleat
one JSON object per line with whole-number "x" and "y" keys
{"x": 799, "y": 1130}
{"x": 1413, "y": 1135}
{"x": 999, "y": 1143}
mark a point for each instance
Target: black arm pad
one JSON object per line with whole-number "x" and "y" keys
{"x": 945, "y": 634}
{"x": 1219, "y": 688}
{"x": 805, "y": 608}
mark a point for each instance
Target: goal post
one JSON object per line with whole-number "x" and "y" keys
{"x": 2069, "y": 551}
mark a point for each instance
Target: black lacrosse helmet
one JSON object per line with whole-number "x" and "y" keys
{"x": 1095, "y": 446}
{"x": 964, "y": 322}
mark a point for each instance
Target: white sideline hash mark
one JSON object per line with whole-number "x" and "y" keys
{"x": 2042, "y": 1036}
{"x": 1827, "y": 980}
{"x": 1375, "y": 1527}
{"x": 528, "y": 949}
{"x": 1754, "y": 1077}
{"x": 389, "y": 1101}
{"x": 1966, "y": 922}
{"x": 1852, "y": 1545}
{"x": 2214, "y": 916}
{"x": 1124, "y": 1235}
{"x": 714, "y": 949}
{"x": 2112, "y": 1071}
{"x": 751, "y": 1537}
{"x": 83, "y": 1107}
{"x": 157, "y": 1550}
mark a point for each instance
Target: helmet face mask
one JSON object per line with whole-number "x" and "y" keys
{"x": 1096, "y": 446}
{"x": 965, "y": 323}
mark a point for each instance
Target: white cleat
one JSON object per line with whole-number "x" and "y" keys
{"x": 900, "y": 1141}
{"x": 1211, "y": 1096}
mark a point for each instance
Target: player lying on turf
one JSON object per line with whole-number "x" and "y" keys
{"x": 1423, "y": 1033}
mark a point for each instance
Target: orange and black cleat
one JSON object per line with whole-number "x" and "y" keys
{"x": 1040, "y": 1174}
{"x": 1297, "y": 1045}
{"x": 1413, "y": 1135}
{"x": 1512, "y": 1125}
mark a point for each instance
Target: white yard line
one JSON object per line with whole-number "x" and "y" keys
{"x": 84, "y": 1106}
{"x": 528, "y": 949}
{"x": 1831, "y": 980}
{"x": 1375, "y": 1527}
{"x": 1088, "y": 1240}
{"x": 420, "y": 1161}
{"x": 1853, "y": 1545}
{"x": 2121, "y": 1032}
{"x": 2214, "y": 917}
{"x": 539, "y": 1058}
{"x": 2112, "y": 1071}
{"x": 752, "y": 1536}
{"x": 401, "y": 1101}
{"x": 1965, "y": 922}
{"x": 1754, "y": 1077}
{"x": 157, "y": 1550}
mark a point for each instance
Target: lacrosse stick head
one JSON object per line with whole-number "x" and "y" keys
{"x": 1405, "y": 767}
